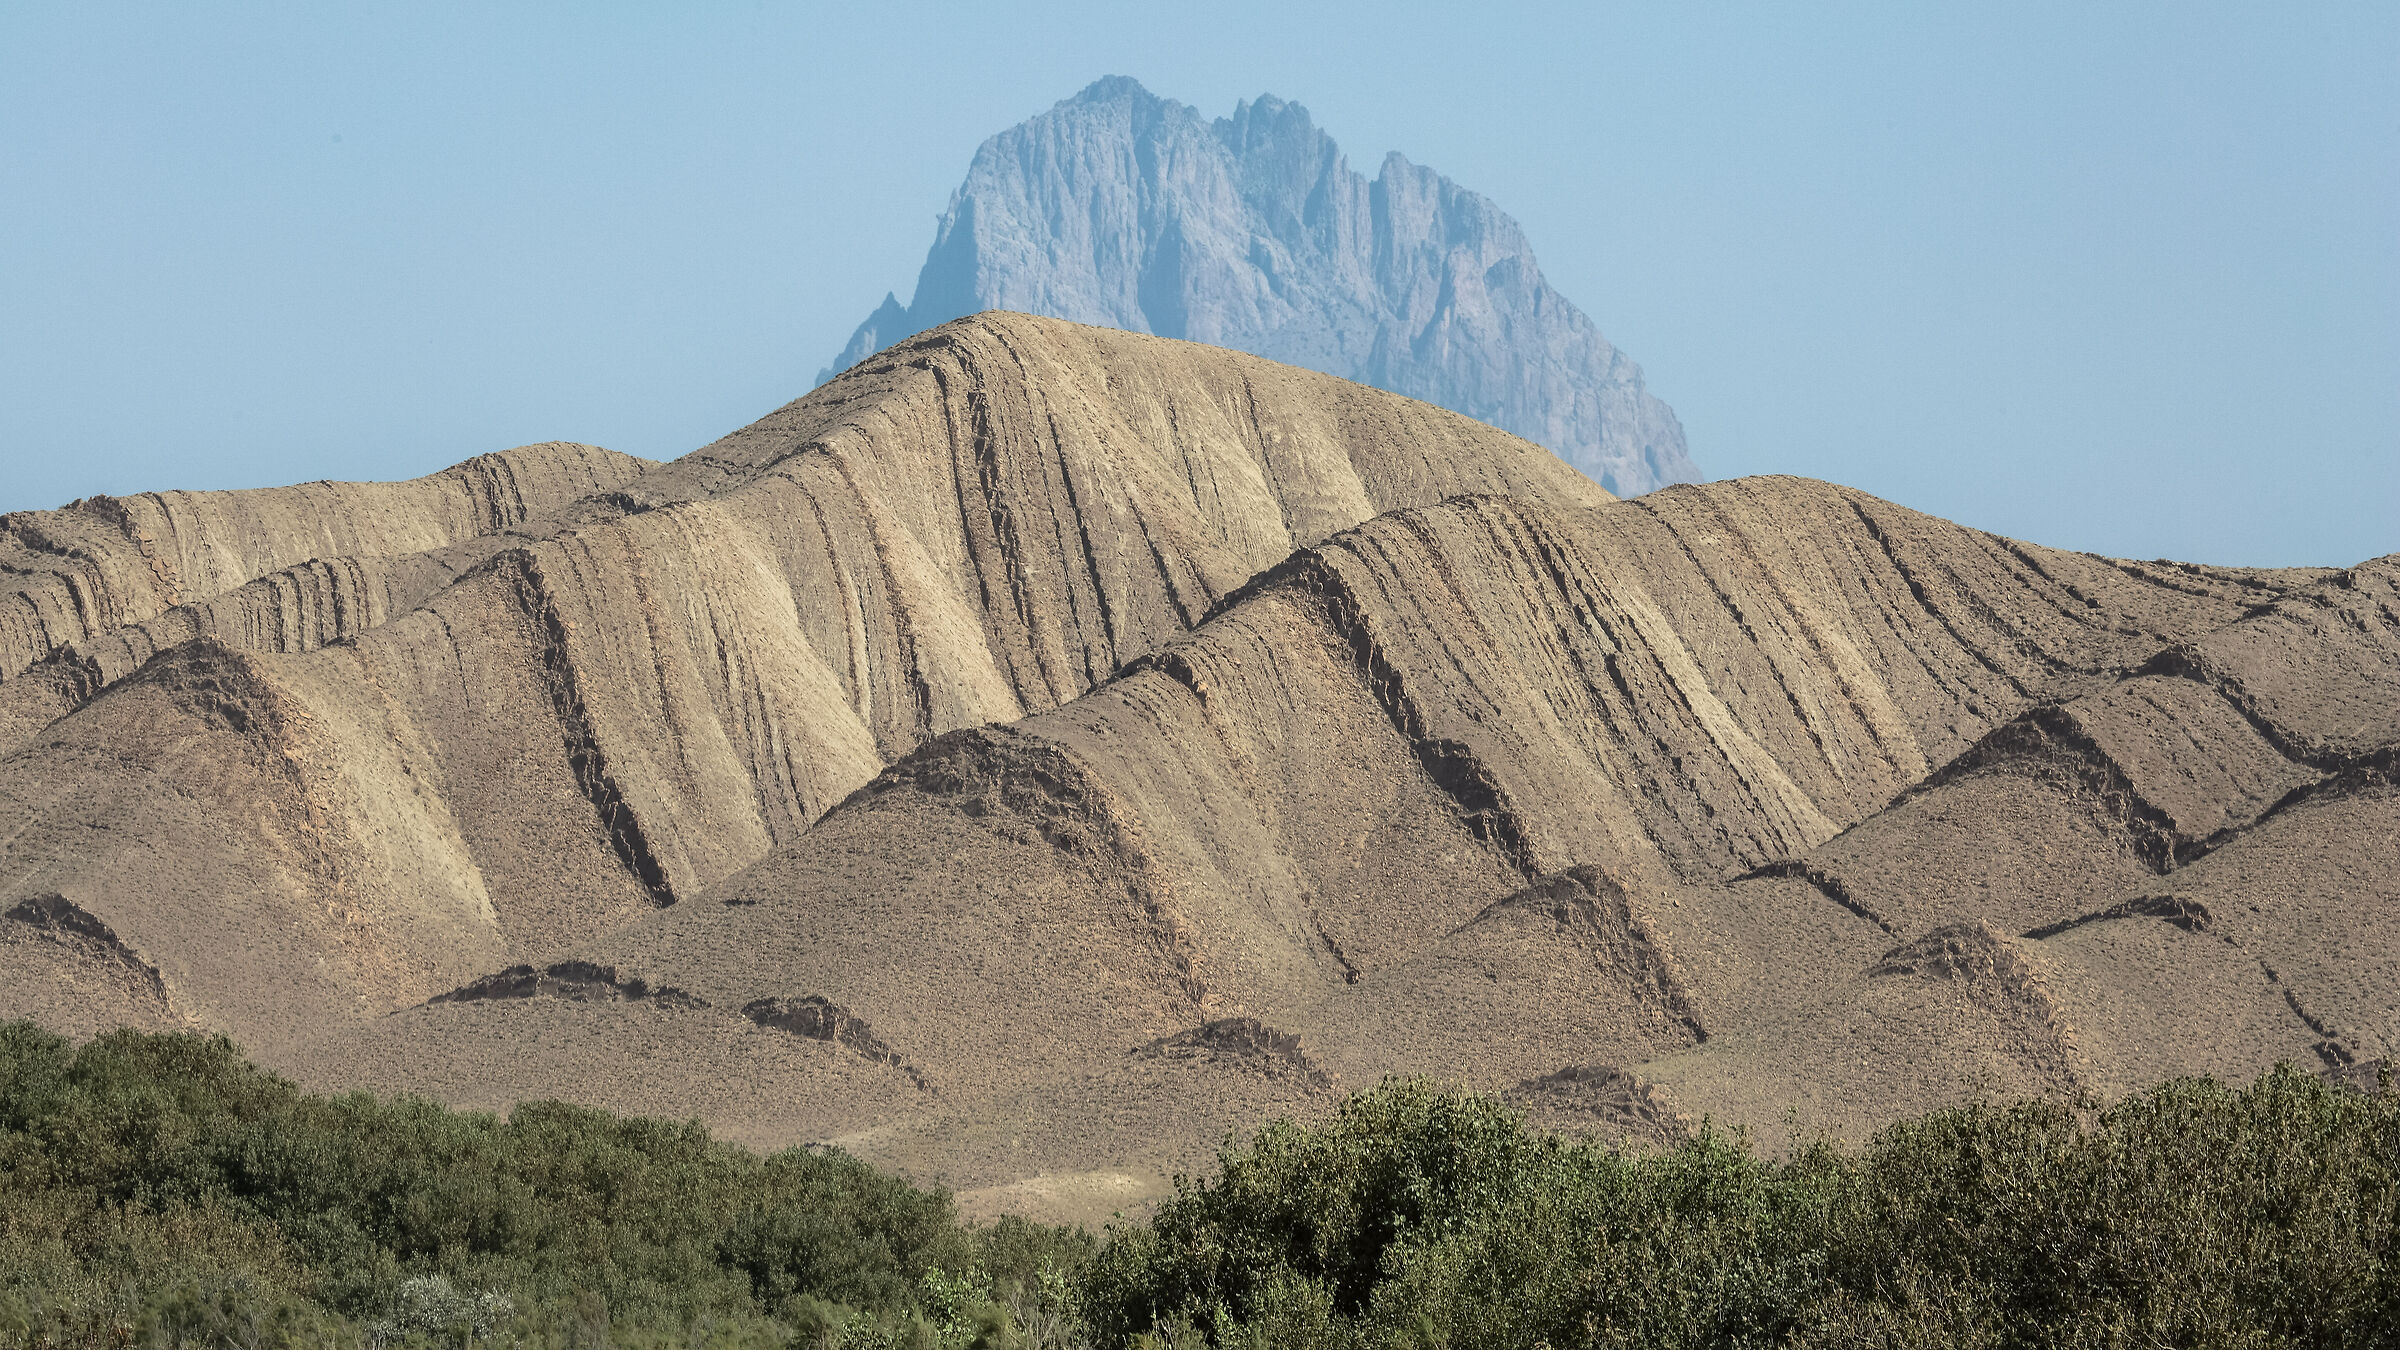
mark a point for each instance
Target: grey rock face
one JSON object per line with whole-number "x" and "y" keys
{"x": 1120, "y": 208}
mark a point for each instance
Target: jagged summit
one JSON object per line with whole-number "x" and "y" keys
{"x": 1123, "y": 209}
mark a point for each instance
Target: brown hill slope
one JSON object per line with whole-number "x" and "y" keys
{"x": 94, "y": 589}
{"x": 1460, "y": 792}
{"x": 80, "y": 571}
{"x": 2191, "y": 870}
{"x": 1043, "y": 750}
{"x": 667, "y": 678}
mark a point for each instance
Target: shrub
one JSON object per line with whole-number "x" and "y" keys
{"x": 2193, "y": 1215}
{"x": 161, "y": 1190}
{"x": 161, "y": 1187}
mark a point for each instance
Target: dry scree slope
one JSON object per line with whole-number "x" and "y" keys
{"x": 1042, "y": 751}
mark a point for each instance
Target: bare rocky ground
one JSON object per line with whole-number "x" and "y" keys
{"x": 1043, "y": 751}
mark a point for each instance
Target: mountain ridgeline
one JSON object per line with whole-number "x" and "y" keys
{"x": 1045, "y": 750}
{"x": 1123, "y": 209}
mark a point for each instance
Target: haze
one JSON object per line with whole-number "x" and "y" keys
{"x": 2121, "y": 280}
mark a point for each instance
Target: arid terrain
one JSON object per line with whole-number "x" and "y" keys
{"x": 1043, "y": 750}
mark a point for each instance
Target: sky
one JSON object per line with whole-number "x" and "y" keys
{"x": 2118, "y": 277}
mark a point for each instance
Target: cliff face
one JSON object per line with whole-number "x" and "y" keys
{"x": 1123, "y": 209}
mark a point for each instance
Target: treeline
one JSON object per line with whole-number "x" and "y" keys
{"x": 160, "y": 1190}
{"x": 2191, "y": 1216}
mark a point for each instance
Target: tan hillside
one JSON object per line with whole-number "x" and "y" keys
{"x": 657, "y": 683}
{"x": 1043, "y": 750}
{"x": 95, "y": 589}
{"x": 1464, "y": 792}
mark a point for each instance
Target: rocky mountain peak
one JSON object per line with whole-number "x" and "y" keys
{"x": 1121, "y": 208}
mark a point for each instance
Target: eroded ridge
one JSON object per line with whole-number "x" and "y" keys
{"x": 1593, "y": 911}
{"x": 1602, "y": 1100}
{"x": 1030, "y": 693}
{"x": 556, "y": 688}
{"x": 1458, "y": 790}
{"x": 78, "y": 573}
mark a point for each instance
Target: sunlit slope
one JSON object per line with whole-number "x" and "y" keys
{"x": 1489, "y": 790}
{"x": 1044, "y": 750}
{"x": 91, "y": 591}
{"x": 653, "y": 685}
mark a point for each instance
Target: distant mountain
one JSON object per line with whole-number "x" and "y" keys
{"x": 1126, "y": 210}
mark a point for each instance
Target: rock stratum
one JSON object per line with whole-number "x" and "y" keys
{"x": 1045, "y": 749}
{"x": 1120, "y": 208}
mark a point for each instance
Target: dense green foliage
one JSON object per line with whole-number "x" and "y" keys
{"x": 2193, "y": 1215}
{"x": 161, "y": 1190}
{"x": 162, "y": 1187}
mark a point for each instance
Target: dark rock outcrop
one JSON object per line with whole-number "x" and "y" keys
{"x": 61, "y": 920}
{"x": 817, "y": 1018}
{"x": 1243, "y": 1041}
{"x": 1600, "y": 1100}
{"x": 580, "y": 981}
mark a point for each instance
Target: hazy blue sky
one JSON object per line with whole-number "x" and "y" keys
{"x": 2118, "y": 277}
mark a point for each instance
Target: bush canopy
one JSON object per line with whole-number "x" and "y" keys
{"x": 162, "y": 1190}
